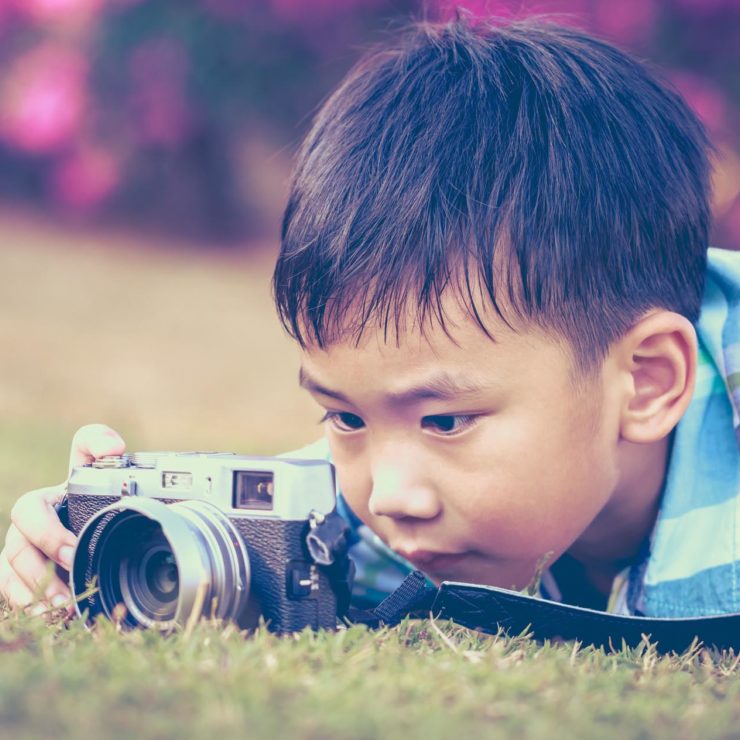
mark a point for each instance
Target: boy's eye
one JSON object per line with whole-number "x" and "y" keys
{"x": 343, "y": 421}
{"x": 448, "y": 423}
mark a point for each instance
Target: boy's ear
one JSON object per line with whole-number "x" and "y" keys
{"x": 657, "y": 359}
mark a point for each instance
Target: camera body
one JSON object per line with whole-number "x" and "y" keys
{"x": 173, "y": 535}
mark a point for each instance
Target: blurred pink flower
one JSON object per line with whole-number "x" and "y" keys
{"x": 85, "y": 178}
{"x": 158, "y": 72}
{"x": 5, "y": 13}
{"x": 66, "y": 11}
{"x": 706, "y": 100}
{"x": 43, "y": 98}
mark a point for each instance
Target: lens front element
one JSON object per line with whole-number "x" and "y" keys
{"x": 149, "y": 581}
{"x": 162, "y": 563}
{"x": 160, "y": 575}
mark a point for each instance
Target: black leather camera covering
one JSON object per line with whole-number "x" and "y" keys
{"x": 272, "y": 545}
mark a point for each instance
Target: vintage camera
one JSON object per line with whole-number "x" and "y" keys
{"x": 166, "y": 537}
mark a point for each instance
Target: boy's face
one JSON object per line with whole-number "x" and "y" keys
{"x": 471, "y": 458}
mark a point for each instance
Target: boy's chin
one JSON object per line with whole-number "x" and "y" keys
{"x": 473, "y": 568}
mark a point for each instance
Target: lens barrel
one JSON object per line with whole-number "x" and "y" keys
{"x": 164, "y": 563}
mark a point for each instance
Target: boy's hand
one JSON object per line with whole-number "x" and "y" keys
{"x": 36, "y": 537}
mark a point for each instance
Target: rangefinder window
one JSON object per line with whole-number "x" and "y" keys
{"x": 253, "y": 489}
{"x": 172, "y": 479}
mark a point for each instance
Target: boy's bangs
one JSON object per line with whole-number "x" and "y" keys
{"x": 399, "y": 286}
{"x": 392, "y": 306}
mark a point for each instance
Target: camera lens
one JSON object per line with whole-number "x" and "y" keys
{"x": 162, "y": 563}
{"x": 160, "y": 575}
{"x": 137, "y": 569}
{"x": 148, "y": 578}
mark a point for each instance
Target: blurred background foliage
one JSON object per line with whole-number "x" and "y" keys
{"x": 180, "y": 117}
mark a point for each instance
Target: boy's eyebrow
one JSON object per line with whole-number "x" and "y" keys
{"x": 440, "y": 386}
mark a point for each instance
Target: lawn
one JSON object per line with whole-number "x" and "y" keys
{"x": 179, "y": 349}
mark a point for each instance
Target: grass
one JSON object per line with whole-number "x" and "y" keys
{"x": 179, "y": 351}
{"x": 420, "y": 679}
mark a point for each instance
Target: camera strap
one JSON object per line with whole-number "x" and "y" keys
{"x": 489, "y": 609}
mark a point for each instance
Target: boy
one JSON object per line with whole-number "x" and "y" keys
{"x": 494, "y": 257}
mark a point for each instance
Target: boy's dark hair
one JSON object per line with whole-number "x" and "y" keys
{"x": 525, "y": 158}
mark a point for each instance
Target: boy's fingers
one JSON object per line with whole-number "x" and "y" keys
{"x": 34, "y": 518}
{"x": 32, "y": 568}
{"x": 94, "y": 441}
{"x": 16, "y": 593}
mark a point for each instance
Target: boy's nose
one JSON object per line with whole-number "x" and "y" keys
{"x": 398, "y": 496}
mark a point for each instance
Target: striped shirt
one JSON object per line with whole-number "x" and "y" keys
{"x": 692, "y": 565}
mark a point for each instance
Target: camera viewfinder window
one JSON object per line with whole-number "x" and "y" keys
{"x": 253, "y": 489}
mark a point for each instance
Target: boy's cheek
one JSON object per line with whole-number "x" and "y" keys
{"x": 512, "y": 532}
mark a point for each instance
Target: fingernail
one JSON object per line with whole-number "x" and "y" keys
{"x": 58, "y": 600}
{"x": 65, "y": 556}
